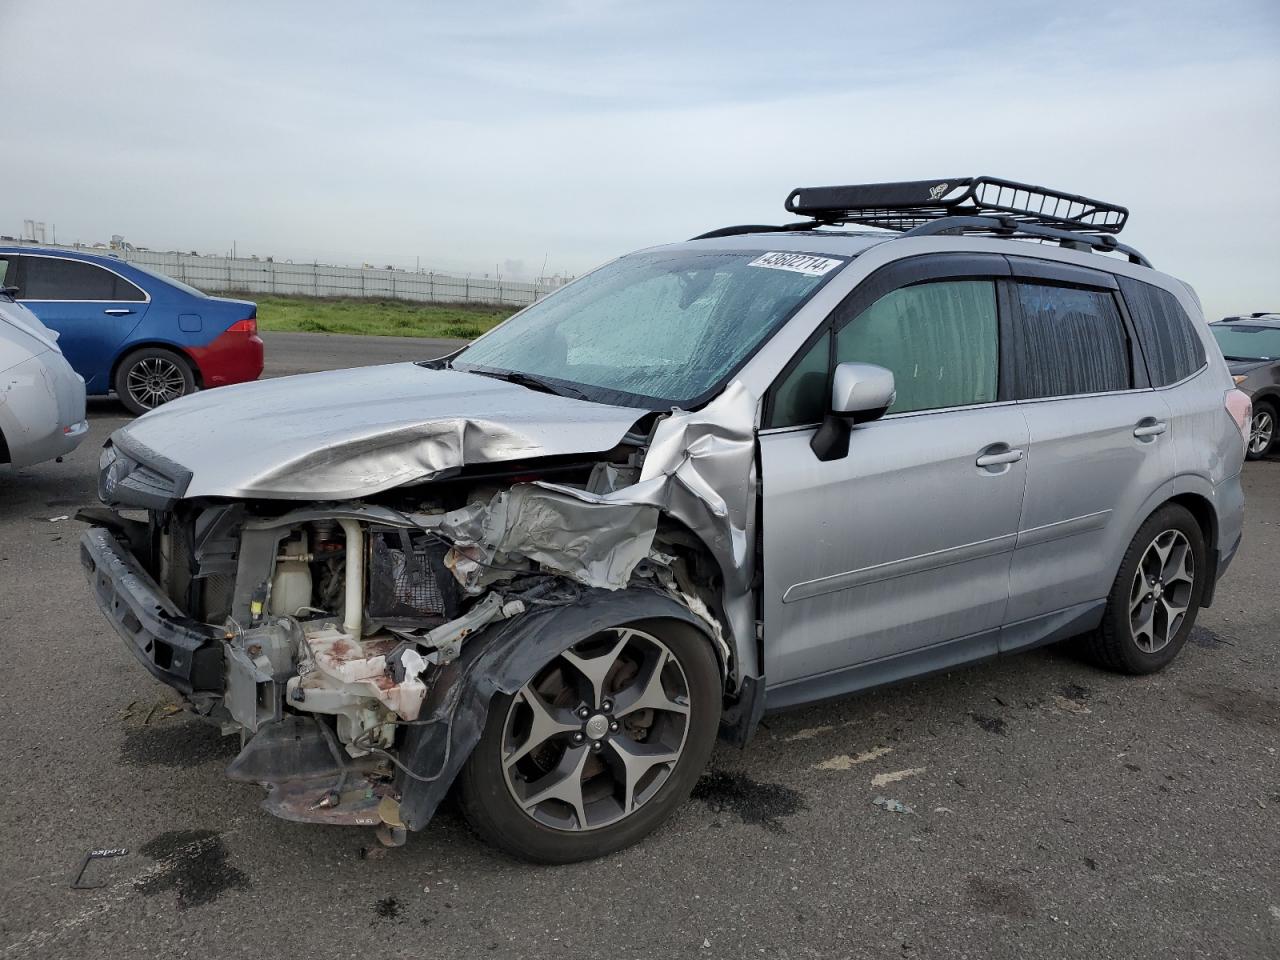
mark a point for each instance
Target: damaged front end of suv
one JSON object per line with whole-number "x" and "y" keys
{"x": 526, "y": 570}
{"x": 349, "y": 600}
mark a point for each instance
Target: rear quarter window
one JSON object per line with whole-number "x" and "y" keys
{"x": 1167, "y": 336}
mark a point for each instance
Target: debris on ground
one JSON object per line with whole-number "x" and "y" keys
{"x": 884, "y": 779}
{"x": 78, "y": 881}
{"x": 1070, "y": 706}
{"x": 158, "y": 710}
{"x": 809, "y": 733}
{"x": 845, "y": 762}
{"x": 893, "y": 806}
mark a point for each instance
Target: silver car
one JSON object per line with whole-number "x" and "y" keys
{"x": 42, "y": 405}
{"x": 755, "y": 470}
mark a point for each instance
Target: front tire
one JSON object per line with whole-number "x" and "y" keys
{"x": 599, "y": 747}
{"x": 1262, "y": 430}
{"x": 149, "y": 377}
{"x": 1155, "y": 597}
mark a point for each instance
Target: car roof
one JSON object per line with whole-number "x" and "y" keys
{"x": 62, "y": 252}
{"x": 840, "y": 243}
{"x": 1270, "y": 320}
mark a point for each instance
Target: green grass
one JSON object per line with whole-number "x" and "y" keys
{"x": 380, "y": 318}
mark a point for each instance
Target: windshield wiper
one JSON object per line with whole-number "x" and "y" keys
{"x": 533, "y": 382}
{"x": 1227, "y": 356}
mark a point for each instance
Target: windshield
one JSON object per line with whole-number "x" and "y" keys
{"x": 1243, "y": 342}
{"x": 654, "y": 329}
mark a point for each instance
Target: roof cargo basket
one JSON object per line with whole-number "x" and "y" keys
{"x": 974, "y": 205}
{"x": 903, "y": 206}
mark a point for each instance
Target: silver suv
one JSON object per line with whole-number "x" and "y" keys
{"x": 759, "y": 469}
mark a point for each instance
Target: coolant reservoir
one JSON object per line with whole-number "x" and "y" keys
{"x": 291, "y": 585}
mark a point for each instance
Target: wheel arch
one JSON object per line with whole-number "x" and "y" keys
{"x": 501, "y": 661}
{"x": 127, "y": 350}
{"x": 1194, "y": 494}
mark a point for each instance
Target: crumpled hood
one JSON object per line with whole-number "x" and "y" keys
{"x": 350, "y": 433}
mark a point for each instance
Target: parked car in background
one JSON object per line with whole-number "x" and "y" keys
{"x": 41, "y": 397}
{"x": 1251, "y": 346}
{"x": 758, "y": 469}
{"x": 148, "y": 337}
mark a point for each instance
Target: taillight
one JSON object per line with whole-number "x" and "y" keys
{"x": 249, "y": 325}
{"x": 1240, "y": 409}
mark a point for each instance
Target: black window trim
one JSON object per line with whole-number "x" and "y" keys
{"x": 21, "y": 279}
{"x": 907, "y": 272}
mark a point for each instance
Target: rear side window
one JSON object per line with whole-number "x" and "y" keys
{"x": 1067, "y": 341}
{"x": 51, "y": 278}
{"x": 1168, "y": 339}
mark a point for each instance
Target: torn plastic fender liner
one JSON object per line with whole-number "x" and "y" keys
{"x": 503, "y": 661}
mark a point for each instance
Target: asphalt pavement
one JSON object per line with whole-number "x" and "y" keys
{"x": 1054, "y": 810}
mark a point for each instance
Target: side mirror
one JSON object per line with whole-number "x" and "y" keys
{"x": 860, "y": 393}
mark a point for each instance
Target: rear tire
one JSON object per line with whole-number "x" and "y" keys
{"x": 153, "y": 376}
{"x": 1155, "y": 597}
{"x": 542, "y": 748}
{"x": 1262, "y": 430}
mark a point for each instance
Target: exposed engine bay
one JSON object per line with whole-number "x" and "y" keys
{"x": 333, "y": 637}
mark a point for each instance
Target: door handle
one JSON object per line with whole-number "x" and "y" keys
{"x": 1150, "y": 428}
{"x": 995, "y": 459}
{"x": 117, "y": 312}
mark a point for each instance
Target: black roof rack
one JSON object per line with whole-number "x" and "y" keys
{"x": 981, "y": 205}
{"x": 901, "y": 206}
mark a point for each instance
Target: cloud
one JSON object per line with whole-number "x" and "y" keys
{"x": 578, "y": 131}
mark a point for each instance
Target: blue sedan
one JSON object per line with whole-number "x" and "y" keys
{"x": 145, "y": 336}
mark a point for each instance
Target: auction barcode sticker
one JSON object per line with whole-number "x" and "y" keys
{"x": 805, "y": 263}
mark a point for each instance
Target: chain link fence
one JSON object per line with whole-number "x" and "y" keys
{"x": 267, "y": 277}
{"x": 225, "y": 274}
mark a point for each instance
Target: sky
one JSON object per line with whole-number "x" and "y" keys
{"x": 500, "y": 137}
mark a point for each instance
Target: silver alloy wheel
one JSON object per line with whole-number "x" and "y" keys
{"x": 1261, "y": 429}
{"x": 595, "y": 735}
{"x": 1161, "y": 591}
{"x": 155, "y": 380}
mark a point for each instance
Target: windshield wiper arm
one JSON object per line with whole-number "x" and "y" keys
{"x": 533, "y": 382}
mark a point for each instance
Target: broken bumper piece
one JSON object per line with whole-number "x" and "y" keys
{"x": 176, "y": 650}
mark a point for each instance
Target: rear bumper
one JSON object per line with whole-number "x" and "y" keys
{"x": 232, "y": 357}
{"x": 42, "y": 415}
{"x": 175, "y": 650}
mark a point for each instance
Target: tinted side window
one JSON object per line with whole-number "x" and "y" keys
{"x": 48, "y": 278}
{"x": 1165, "y": 332}
{"x": 940, "y": 340}
{"x": 127, "y": 291}
{"x": 1067, "y": 341}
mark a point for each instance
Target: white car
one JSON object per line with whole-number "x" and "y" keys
{"x": 42, "y": 413}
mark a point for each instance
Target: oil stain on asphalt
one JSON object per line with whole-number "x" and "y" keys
{"x": 175, "y": 745}
{"x": 1000, "y": 898}
{"x": 194, "y": 864}
{"x": 759, "y": 804}
{"x": 990, "y": 724}
{"x": 1237, "y": 705}
{"x": 388, "y": 908}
